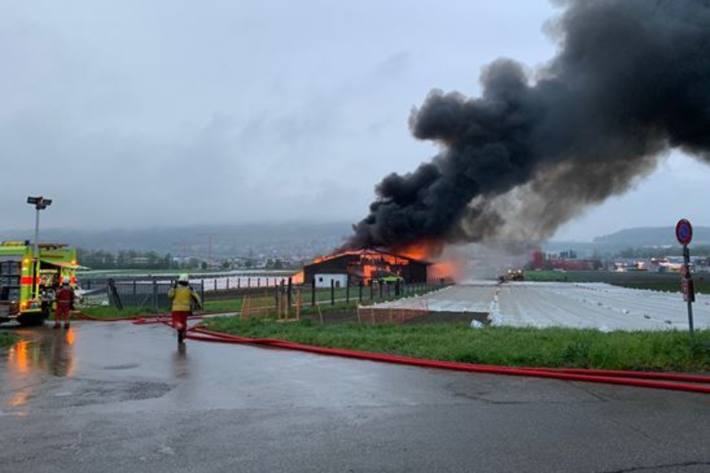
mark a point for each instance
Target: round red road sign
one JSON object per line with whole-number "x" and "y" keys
{"x": 684, "y": 231}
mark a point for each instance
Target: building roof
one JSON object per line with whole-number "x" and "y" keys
{"x": 365, "y": 252}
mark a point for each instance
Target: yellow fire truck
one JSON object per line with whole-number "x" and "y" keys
{"x": 27, "y": 284}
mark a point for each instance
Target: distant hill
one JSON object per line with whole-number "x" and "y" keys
{"x": 226, "y": 240}
{"x": 651, "y": 236}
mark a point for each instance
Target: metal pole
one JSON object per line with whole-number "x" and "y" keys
{"x": 313, "y": 292}
{"x": 690, "y": 317}
{"x": 155, "y": 295}
{"x": 347, "y": 289}
{"x": 332, "y": 292}
{"x": 288, "y": 295}
{"x": 689, "y": 289}
{"x": 36, "y": 245}
{"x": 35, "y": 252}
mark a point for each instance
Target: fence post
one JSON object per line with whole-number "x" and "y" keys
{"x": 280, "y": 307}
{"x": 347, "y": 289}
{"x": 288, "y": 295}
{"x": 379, "y": 284}
{"x": 371, "y": 289}
{"x": 258, "y": 282}
{"x": 396, "y": 288}
{"x": 332, "y": 292}
{"x": 113, "y": 294}
{"x": 155, "y": 295}
{"x": 249, "y": 282}
{"x": 227, "y": 286}
{"x": 135, "y": 291}
{"x": 359, "y": 291}
{"x": 313, "y": 292}
{"x": 202, "y": 290}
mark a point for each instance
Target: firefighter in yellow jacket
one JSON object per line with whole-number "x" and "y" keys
{"x": 183, "y": 299}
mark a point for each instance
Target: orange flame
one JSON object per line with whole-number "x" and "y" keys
{"x": 431, "y": 250}
{"x": 421, "y": 250}
{"x": 448, "y": 270}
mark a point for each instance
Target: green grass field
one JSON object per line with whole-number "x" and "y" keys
{"x": 555, "y": 347}
{"x": 7, "y": 339}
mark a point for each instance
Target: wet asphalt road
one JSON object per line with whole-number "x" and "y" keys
{"x": 116, "y": 397}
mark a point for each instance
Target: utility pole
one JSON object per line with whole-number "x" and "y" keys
{"x": 40, "y": 203}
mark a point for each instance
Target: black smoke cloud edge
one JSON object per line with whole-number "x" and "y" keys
{"x": 631, "y": 81}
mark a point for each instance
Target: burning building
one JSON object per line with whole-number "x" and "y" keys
{"x": 364, "y": 265}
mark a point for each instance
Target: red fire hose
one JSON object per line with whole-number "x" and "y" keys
{"x": 672, "y": 381}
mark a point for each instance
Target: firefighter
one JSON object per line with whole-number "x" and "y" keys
{"x": 182, "y": 297}
{"x": 65, "y": 304}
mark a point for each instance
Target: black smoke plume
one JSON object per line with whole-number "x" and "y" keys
{"x": 631, "y": 81}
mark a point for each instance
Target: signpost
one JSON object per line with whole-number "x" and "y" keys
{"x": 684, "y": 234}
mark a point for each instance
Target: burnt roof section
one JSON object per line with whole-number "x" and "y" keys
{"x": 366, "y": 252}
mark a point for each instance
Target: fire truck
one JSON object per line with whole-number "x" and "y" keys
{"x": 28, "y": 284}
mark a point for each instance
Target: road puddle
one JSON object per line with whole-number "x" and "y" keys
{"x": 40, "y": 353}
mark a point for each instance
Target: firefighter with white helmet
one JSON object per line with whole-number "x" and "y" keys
{"x": 183, "y": 298}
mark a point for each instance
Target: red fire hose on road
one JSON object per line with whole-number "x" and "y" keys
{"x": 672, "y": 381}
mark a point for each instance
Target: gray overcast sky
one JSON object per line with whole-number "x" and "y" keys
{"x": 139, "y": 113}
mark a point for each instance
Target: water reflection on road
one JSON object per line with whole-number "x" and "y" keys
{"x": 39, "y": 353}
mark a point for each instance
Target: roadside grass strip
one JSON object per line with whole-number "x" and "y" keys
{"x": 503, "y": 346}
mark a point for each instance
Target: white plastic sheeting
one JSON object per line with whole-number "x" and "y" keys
{"x": 578, "y": 305}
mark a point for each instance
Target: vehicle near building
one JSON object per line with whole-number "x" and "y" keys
{"x": 27, "y": 285}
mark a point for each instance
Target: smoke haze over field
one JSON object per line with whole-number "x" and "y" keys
{"x": 630, "y": 82}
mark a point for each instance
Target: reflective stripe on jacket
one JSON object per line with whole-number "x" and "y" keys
{"x": 182, "y": 297}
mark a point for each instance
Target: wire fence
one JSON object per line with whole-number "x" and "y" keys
{"x": 151, "y": 295}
